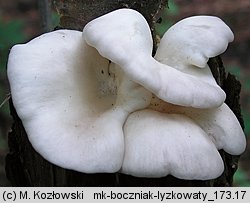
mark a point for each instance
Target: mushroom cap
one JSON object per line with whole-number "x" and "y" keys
{"x": 129, "y": 45}
{"x": 220, "y": 124}
{"x": 159, "y": 144}
{"x": 192, "y": 41}
{"x": 121, "y": 36}
{"x": 71, "y": 105}
{"x": 188, "y": 45}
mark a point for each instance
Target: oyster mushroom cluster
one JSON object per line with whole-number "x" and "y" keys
{"x": 98, "y": 102}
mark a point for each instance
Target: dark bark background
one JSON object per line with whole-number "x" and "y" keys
{"x": 24, "y": 167}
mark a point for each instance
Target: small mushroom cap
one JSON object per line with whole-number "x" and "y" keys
{"x": 220, "y": 124}
{"x": 71, "y": 105}
{"x": 192, "y": 41}
{"x": 188, "y": 45}
{"x": 123, "y": 36}
{"x": 158, "y": 144}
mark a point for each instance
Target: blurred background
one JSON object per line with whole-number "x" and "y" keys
{"x": 21, "y": 20}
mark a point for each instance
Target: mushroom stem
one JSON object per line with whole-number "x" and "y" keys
{"x": 131, "y": 96}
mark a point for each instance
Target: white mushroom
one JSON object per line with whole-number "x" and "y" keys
{"x": 188, "y": 45}
{"x": 220, "y": 124}
{"x": 192, "y": 41}
{"x": 185, "y": 40}
{"x": 72, "y": 106}
{"x": 85, "y": 99}
{"x": 130, "y": 46}
{"x": 181, "y": 141}
{"x": 159, "y": 144}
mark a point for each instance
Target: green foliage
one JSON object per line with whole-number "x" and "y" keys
{"x": 166, "y": 23}
{"x": 247, "y": 85}
{"x": 10, "y": 34}
{"x": 55, "y": 18}
{"x": 246, "y": 117}
{"x": 163, "y": 27}
{"x": 235, "y": 70}
{"x": 241, "y": 178}
{"x": 173, "y": 8}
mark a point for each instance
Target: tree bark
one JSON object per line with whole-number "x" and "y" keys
{"x": 25, "y": 167}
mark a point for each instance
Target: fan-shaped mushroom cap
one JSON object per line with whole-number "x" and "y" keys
{"x": 220, "y": 124}
{"x": 129, "y": 44}
{"x": 71, "y": 104}
{"x": 159, "y": 144}
{"x": 192, "y": 41}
